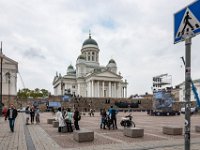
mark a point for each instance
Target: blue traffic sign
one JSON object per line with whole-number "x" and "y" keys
{"x": 187, "y": 22}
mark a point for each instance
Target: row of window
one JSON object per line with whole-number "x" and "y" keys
{"x": 91, "y": 56}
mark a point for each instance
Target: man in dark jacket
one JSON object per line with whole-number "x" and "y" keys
{"x": 76, "y": 119}
{"x": 11, "y": 115}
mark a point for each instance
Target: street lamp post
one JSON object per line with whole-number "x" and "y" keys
{"x": 1, "y": 104}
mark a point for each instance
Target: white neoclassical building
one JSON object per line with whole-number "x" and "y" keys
{"x": 89, "y": 79}
{"x": 9, "y": 76}
{"x": 182, "y": 90}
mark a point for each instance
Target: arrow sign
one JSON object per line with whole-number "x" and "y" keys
{"x": 187, "y": 22}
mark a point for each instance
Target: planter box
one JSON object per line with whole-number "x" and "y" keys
{"x": 83, "y": 135}
{"x": 197, "y": 128}
{"x": 50, "y": 121}
{"x": 172, "y": 130}
{"x": 134, "y": 132}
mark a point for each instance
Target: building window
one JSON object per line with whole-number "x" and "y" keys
{"x": 92, "y": 56}
{"x": 73, "y": 86}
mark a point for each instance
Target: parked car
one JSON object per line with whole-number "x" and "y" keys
{"x": 192, "y": 110}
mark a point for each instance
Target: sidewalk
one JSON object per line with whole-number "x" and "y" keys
{"x": 15, "y": 140}
{"x": 34, "y": 137}
{"x": 31, "y": 137}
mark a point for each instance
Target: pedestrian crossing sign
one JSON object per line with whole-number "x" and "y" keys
{"x": 187, "y": 22}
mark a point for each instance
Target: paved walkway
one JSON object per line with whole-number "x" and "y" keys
{"x": 45, "y": 137}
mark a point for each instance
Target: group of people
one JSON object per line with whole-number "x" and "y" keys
{"x": 33, "y": 113}
{"x": 108, "y": 118}
{"x": 66, "y": 118}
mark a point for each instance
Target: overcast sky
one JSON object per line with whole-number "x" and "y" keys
{"x": 46, "y": 36}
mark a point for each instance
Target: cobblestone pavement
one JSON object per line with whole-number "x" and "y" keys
{"x": 44, "y": 136}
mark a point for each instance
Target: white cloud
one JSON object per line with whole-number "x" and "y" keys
{"x": 46, "y": 36}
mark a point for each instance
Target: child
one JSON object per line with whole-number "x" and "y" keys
{"x": 27, "y": 114}
{"x": 37, "y": 116}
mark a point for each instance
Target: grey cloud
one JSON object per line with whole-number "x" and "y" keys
{"x": 137, "y": 34}
{"x": 33, "y": 53}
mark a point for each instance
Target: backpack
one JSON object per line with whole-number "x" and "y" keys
{"x": 79, "y": 117}
{"x": 27, "y": 110}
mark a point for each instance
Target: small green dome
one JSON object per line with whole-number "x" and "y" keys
{"x": 90, "y": 41}
{"x": 70, "y": 70}
{"x": 70, "y": 67}
{"x": 81, "y": 57}
{"x": 112, "y": 61}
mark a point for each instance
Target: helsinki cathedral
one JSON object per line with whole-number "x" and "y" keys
{"x": 88, "y": 78}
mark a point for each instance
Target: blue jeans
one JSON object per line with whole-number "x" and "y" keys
{"x": 102, "y": 122}
{"x": 11, "y": 123}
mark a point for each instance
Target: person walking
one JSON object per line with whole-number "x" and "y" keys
{"x": 69, "y": 117}
{"x": 77, "y": 117}
{"x": 112, "y": 114}
{"x": 60, "y": 119}
{"x": 37, "y": 115}
{"x": 4, "y": 112}
{"x": 103, "y": 117}
{"x": 11, "y": 115}
{"x": 27, "y": 114}
{"x": 32, "y": 114}
{"x": 91, "y": 112}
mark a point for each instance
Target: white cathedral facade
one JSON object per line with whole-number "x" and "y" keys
{"x": 89, "y": 78}
{"x": 9, "y": 76}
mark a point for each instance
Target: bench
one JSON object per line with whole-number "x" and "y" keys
{"x": 172, "y": 130}
{"x": 50, "y": 121}
{"x": 55, "y": 124}
{"x": 197, "y": 128}
{"x": 134, "y": 132}
{"x": 83, "y": 135}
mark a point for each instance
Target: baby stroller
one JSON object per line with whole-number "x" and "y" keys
{"x": 127, "y": 121}
{"x": 108, "y": 121}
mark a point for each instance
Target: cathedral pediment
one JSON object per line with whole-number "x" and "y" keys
{"x": 7, "y": 60}
{"x": 9, "y": 63}
{"x": 107, "y": 74}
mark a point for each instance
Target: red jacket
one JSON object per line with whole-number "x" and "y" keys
{"x": 4, "y": 112}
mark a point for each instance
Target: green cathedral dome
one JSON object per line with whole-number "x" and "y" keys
{"x": 90, "y": 41}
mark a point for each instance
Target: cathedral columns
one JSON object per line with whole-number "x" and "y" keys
{"x": 103, "y": 89}
{"x": 78, "y": 89}
{"x": 122, "y": 92}
{"x": 125, "y": 92}
{"x": 89, "y": 89}
{"x": 92, "y": 92}
{"x": 115, "y": 90}
{"x": 118, "y": 90}
{"x": 109, "y": 89}
{"x": 98, "y": 89}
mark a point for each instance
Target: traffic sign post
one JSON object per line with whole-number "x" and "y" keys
{"x": 186, "y": 26}
{"x": 188, "y": 43}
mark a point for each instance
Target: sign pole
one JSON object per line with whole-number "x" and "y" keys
{"x": 188, "y": 42}
{"x": 186, "y": 26}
